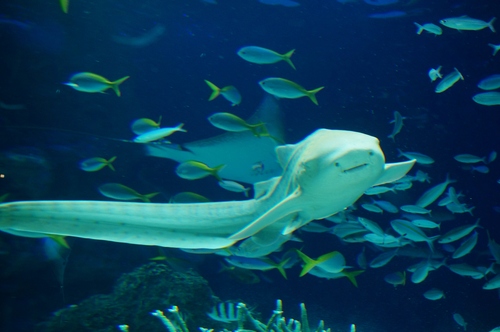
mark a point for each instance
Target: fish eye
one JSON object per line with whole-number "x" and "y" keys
{"x": 337, "y": 164}
{"x": 371, "y": 153}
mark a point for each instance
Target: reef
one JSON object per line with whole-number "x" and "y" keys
{"x": 134, "y": 297}
{"x": 246, "y": 322}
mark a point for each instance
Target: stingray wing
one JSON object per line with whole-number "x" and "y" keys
{"x": 240, "y": 152}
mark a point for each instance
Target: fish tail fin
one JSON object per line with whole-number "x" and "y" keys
{"x": 281, "y": 268}
{"x": 404, "y": 278}
{"x": 439, "y": 72}
{"x": 224, "y": 267}
{"x": 469, "y": 210}
{"x": 216, "y": 170}
{"x": 259, "y": 129}
{"x": 351, "y": 275}
{"x": 459, "y": 73}
{"x": 60, "y": 240}
{"x": 109, "y": 163}
{"x": 147, "y": 198}
{"x": 4, "y": 197}
{"x": 495, "y": 48}
{"x": 449, "y": 180}
{"x": 287, "y": 57}
{"x": 490, "y": 24}
{"x": 419, "y": 28}
{"x": 162, "y": 256}
{"x": 430, "y": 242}
{"x": 64, "y": 5}
{"x": 116, "y": 85}
{"x": 215, "y": 90}
{"x": 309, "y": 263}
{"x": 179, "y": 127}
{"x": 312, "y": 94}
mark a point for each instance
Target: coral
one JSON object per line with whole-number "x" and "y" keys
{"x": 134, "y": 296}
{"x": 276, "y": 323}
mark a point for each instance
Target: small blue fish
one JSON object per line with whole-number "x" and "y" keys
{"x": 434, "y": 74}
{"x": 194, "y": 170}
{"x": 396, "y": 278}
{"x": 481, "y": 169}
{"x": 434, "y": 294}
{"x": 92, "y": 83}
{"x": 188, "y": 197}
{"x": 262, "y": 55}
{"x": 398, "y": 124}
{"x": 492, "y": 156}
{"x": 262, "y": 264}
{"x": 124, "y": 193}
{"x": 419, "y": 157}
{"x": 229, "y": 92}
{"x": 144, "y": 125}
{"x": 96, "y": 164}
{"x": 234, "y": 187}
{"x": 460, "y": 320}
{"x": 158, "y": 134}
{"x": 283, "y": 88}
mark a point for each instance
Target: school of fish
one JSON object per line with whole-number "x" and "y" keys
{"x": 424, "y": 233}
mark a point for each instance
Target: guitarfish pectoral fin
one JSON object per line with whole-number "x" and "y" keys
{"x": 264, "y": 187}
{"x": 395, "y": 171}
{"x": 284, "y": 208}
{"x": 294, "y": 224}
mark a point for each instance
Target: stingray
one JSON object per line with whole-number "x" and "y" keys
{"x": 322, "y": 175}
{"x": 247, "y": 158}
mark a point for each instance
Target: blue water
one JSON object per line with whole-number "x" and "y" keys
{"x": 369, "y": 67}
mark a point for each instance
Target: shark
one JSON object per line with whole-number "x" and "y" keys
{"x": 247, "y": 158}
{"x": 321, "y": 175}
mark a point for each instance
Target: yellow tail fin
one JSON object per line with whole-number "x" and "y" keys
{"x": 64, "y": 5}
{"x": 110, "y": 163}
{"x": 352, "y": 276}
{"x": 60, "y": 240}
{"x": 287, "y": 56}
{"x": 215, "y": 171}
{"x": 215, "y": 90}
{"x": 312, "y": 94}
{"x": 147, "y": 198}
{"x": 311, "y": 263}
{"x": 116, "y": 84}
{"x": 281, "y": 268}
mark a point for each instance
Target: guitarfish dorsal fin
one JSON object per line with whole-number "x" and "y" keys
{"x": 285, "y": 153}
{"x": 262, "y": 188}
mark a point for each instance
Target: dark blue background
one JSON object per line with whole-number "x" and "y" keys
{"x": 369, "y": 67}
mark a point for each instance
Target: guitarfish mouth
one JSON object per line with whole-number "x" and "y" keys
{"x": 355, "y": 168}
